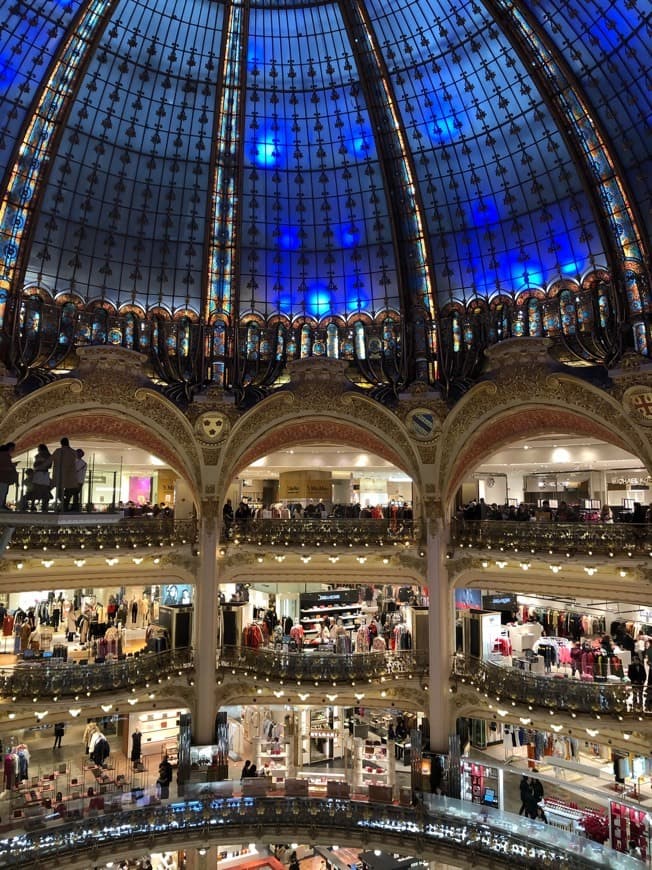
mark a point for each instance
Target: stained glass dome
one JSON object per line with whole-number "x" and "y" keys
{"x": 328, "y": 164}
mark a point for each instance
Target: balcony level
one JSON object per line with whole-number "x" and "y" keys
{"x": 582, "y": 539}
{"x": 333, "y": 531}
{"x": 25, "y": 534}
{"x": 442, "y": 829}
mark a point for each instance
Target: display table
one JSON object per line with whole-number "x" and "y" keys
{"x": 381, "y": 793}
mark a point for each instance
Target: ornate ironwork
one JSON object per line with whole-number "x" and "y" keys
{"x": 443, "y": 827}
{"x": 64, "y": 679}
{"x": 128, "y": 534}
{"x": 343, "y": 532}
{"x": 551, "y": 693}
{"x": 315, "y": 665}
{"x": 629, "y": 539}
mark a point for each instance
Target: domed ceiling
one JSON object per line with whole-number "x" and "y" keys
{"x": 328, "y": 158}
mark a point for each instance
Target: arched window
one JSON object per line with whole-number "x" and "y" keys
{"x": 98, "y": 327}
{"x": 183, "y": 337}
{"x": 306, "y": 341}
{"x": 518, "y": 323}
{"x": 567, "y": 313}
{"x": 280, "y": 341}
{"x": 114, "y": 334}
{"x": 457, "y": 332}
{"x": 390, "y": 341}
{"x": 469, "y": 336}
{"x": 30, "y": 317}
{"x": 253, "y": 339}
{"x": 129, "y": 331}
{"x": 640, "y": 338}
{"x": 332, "y": 341}
{"x": 632, "y": 290}
{"x": 292, "y": 346}
{"x": 360, "y": 348}
{"x": 584, "y": 312}
{"x": 534, "y": 320}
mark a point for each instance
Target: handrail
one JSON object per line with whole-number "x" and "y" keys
{"x": 611, "y": 539}
{"x": 551, "y": 693}
{"x": 85, "y": 534}
{"x": 441, "y": 826}
{"x": 315, "y": 665}
{"x": 340, "y": 531}
{"x": 59, "y": 678}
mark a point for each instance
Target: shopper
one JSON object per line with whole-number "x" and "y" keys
{"x": 526, "y": 794}
{"x": 59, "y": 731}
{"x": 80, "y": 475}
{"x": 164, "y": 778}
{"x": 245, "y": 770}
{"x": 64, "y": 465}
{"x": 636, "y": 674}
{"x": 8, "y": 472}
{"x": 41, "y": 479}
{"x": 537, "y": 797}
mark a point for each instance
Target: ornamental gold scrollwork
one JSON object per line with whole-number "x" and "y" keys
{"x": 210, "y": 510}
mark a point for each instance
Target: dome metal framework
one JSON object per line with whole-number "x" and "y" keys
{"x": 228, "y": 185}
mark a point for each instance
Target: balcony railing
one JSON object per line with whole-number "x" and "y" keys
{"x": 124, "y": 534}
{"x": 551, "y": 693}
{"x": 66, "y": 679}
{"x": 606, "y": 539}
{"x": 315, "y": 665}
{"x": 314, "y": 532}
{"x": 443, "y": 827}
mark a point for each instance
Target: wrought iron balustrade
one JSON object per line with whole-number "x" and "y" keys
{"x": 607, "y": 539}
{"x": 316, "y": 532}
{"x": 64, "y": 679}
{"x": 316, "y": 665}
{"x": 440, "y": 828}
{"x": 563, "y": 694}
{"x": 124, "y": 534}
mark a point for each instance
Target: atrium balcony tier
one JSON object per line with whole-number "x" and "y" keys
{"x": 315, "y": 665}
{"x": 581, "y": 538}
{"x": 441, "y": 829}
{"x": 52, "y": 532}
{"x": 509, "y": 686}
{"x": 27, "y": 681}
{"x": 328, "y": 532}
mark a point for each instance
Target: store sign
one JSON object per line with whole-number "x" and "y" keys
{"x": 506, "y": 602}
{"x": 628, "y": 480}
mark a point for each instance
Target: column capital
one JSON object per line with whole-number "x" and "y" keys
{"x": 210, "y": 510}
{"x": 433, "y": 509}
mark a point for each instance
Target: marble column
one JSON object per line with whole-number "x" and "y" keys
{"x": 441, "y": 637}
{"x": 205, "y": 633}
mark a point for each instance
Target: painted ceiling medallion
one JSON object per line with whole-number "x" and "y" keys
{"x": 212, "y": 427}
{"x": 638, "y": 401}
{"x": 423, "y": 424}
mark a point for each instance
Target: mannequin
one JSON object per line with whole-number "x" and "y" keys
{"x": 136, "y": 739}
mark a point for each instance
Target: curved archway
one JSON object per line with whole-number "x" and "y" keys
{"x": 319, "y": 431}
{"x": 519, "y": 423}
{"x": 50, "y": 413}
